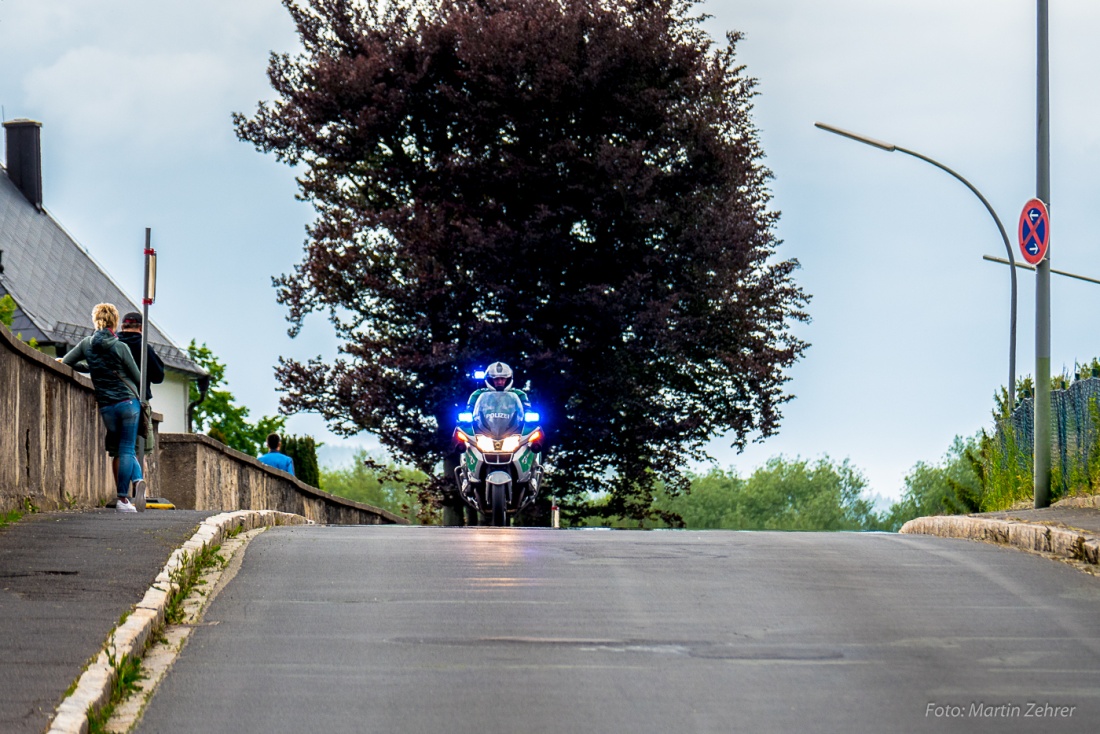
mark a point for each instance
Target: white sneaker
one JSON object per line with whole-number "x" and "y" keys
{"x": 124, "y": 505}
{"x": 139, "y": 495}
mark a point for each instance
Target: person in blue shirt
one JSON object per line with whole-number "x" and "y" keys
{"x": 275, "y": 458}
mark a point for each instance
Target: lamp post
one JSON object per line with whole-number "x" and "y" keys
{"x": 890, "y": 148}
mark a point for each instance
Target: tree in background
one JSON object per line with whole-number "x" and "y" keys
{"x": 574, "y": 188}
{"x": 793, "y": 494}
{"x": 220, "y": 417}
{"x": 7, "y": 310}
{"x": 303, "y": 450}
{"x": 7, "y": 316}
{"x": 953, "y": 486}
{"x": 784, "y": 494}
{"x": 387, "y": 485}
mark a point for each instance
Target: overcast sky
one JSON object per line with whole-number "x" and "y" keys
{"x": 910, "y": 326}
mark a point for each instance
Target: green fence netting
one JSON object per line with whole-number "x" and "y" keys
{"x": 1073, "y": 434}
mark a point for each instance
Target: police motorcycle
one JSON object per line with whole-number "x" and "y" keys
{"x": 500, "y": 469}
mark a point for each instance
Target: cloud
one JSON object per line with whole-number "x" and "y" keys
{"x": 157, "y": 101}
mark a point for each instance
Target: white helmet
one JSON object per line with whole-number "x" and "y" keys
{"x": 498, "y": 372}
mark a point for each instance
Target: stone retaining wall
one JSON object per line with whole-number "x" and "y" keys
{"x": 52, "y": 456}
{"x": 199, "y": 473}
{"x": 51, "y": 436}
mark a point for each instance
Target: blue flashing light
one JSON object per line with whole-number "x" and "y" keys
{"x": 465, "y": 417}
{"x": 530, "y": 417}
{"x": 479, "y": 374}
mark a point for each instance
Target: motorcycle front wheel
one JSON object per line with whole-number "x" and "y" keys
{"x": 499, "y": 505}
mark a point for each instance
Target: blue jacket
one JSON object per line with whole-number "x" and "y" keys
{"x": 278, "y": 460}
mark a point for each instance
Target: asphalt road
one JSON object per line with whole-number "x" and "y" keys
{"x": 405, "y": 629}
{"x": 65, "y": 580}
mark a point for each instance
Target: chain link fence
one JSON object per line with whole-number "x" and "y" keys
{"x": 1073, "y": 414}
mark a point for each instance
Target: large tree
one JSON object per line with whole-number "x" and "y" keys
{"x": 572, "y": 186}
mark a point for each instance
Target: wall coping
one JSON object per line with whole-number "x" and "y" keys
{"x": 200, "y": 438}
{"x": 51, "y": 364}
{"x": 33, "y": 355}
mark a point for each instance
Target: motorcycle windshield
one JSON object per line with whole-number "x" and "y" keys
{"x": 498, "y": 414}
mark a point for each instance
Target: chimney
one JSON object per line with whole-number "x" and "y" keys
{"x": 25, "y": 158}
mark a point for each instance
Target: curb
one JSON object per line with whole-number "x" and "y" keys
{"x": 1067, "y": 543}
{"x": 93, "y": 689}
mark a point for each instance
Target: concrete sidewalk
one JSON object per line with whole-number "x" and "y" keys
{"x": 65, "y": 580}
{"x": 1069, "y": 529}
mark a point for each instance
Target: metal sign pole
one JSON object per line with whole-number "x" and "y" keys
{"x": 148, "y": 295}
{"x": 1042, "y": 280}
{"x": 145, "y": 313}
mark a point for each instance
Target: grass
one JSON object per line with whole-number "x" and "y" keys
{"x": 10, "y": 518}
{"x": 128, "y": 669}
{"x": 127, "y": 674}
{"x": 187, "y": 578}
{"x": 14, "y": 516}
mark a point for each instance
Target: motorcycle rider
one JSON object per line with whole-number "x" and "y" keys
{"x": 498, "y": 377}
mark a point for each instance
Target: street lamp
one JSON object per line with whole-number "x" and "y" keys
{"x": 890, "y": 148}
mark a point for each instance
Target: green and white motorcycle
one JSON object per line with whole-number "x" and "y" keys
{"x": 500, "y": 470}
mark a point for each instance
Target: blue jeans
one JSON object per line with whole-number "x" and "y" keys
{"x": 122, "y": 419}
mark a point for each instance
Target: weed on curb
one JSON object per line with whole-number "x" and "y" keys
{"x": 186, "y": 578}
{"x": 127, "y": 674}
{"x": 10, "y": 518}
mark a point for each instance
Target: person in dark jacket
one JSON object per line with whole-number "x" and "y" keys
{"x": 130, "y": 335}
{"x": 115, "y": 377}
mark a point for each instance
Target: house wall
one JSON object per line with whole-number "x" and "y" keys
{"x": 170, "y": 399}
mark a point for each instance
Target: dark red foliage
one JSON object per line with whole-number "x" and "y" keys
{"x": 574, "y": 187}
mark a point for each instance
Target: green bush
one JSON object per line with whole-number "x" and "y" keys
{"x": 784, "y": 494}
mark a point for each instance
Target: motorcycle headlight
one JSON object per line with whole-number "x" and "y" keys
{"x": 510, "y": 444}
{"x": 485, "y": 444}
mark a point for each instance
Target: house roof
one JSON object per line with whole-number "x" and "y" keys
{"x": 56, "y": 283}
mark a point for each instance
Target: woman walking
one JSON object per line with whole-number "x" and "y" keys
{"x": 115, "y": 376}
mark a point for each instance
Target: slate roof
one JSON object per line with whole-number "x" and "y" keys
{"x": 55, "y": 282}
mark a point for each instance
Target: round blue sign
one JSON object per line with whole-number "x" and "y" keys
{"x": 1034, "y": 231}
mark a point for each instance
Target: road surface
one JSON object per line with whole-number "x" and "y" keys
{"x": 482, "y": 630}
